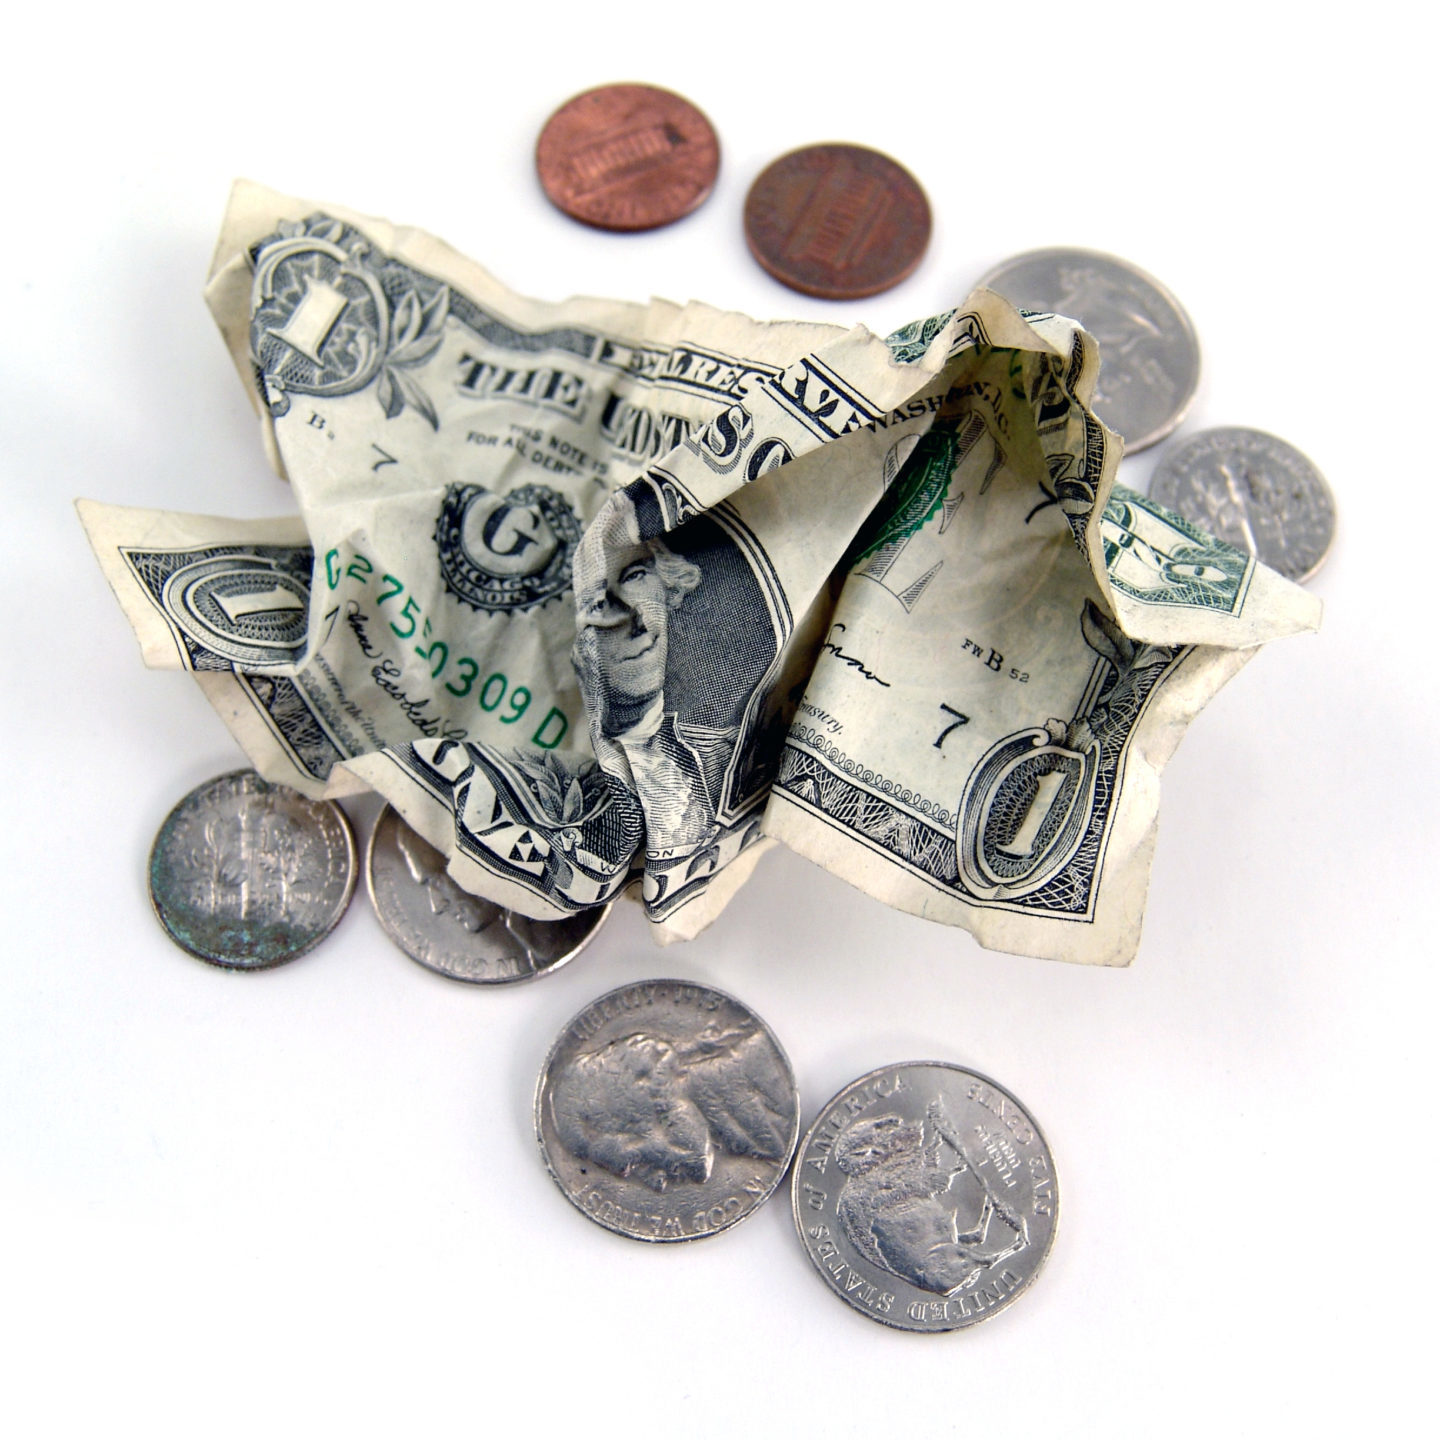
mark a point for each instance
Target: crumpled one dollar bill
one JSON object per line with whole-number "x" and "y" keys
{"x": 594, "y": 591}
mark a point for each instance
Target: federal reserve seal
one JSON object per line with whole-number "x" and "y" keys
{"x": 501, "y": 553}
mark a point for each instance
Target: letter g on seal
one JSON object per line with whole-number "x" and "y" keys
{"x": 502, "y": 553}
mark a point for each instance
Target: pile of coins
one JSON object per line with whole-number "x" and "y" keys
{"x": 248, "y": 874}
{"x": 924, "y": 1194}
{"x": 842, "y": 222}
{"x": 836, "y": 221}
{"x": 1243, "y": 486}
{"x": 666, "y": 1110}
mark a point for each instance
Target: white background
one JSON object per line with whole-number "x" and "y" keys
{"x": 309, "y": 1201}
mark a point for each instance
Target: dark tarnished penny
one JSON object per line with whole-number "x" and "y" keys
{"x": 837, "y": 221}
{"x": 248, "y": 874}
{"x": 627, "y": 157}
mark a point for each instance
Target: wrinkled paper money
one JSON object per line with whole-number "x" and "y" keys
{"x": 594, "y": 590}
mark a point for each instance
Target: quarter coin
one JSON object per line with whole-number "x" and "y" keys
{"x": 1256, "y": 492}
{"x": 837, "y": 221}
{"x": 247, "y": 874}
{"x": 667, "y": 1111}
{"x": 1149, "y": 356}
{"x": 925, "y": 1196}
{"x": 452, "y": 932}
{"x": 627, "y": 157}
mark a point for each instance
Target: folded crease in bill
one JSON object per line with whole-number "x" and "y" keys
{"x": 596, "y": 592}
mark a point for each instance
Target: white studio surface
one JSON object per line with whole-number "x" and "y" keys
{"x": 309, "y": 1201}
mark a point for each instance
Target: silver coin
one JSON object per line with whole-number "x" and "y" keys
{"x": 1149, "y": 356}
{"x": 247, "y": 874}
{"x": 448, "y": 930}
{"x": 925, "y": 1196}
{"x": 1256, "y": 492}
{"x": 667, "y": 1111}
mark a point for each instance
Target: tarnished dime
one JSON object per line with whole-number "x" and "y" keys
{"x": 667, "y": 1111}
{"x": 247, "y": 874}
{"x": 627, "y": 157}
{"x": 1149, "y": 356}
{"x": 925, "y": 1196}
{"x": 448, "y": 930}
{"x": 1253, "y": 490}
{"x": 837, "y": 221}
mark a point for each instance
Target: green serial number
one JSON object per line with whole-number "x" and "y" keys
{"x": 409, "y": 623}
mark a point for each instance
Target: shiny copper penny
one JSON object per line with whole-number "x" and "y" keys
{"x": 837, "y": 221}
{"x": 627, "y": 157}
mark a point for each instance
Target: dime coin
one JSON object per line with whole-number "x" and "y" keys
{"x": 1149, "y": 356}
{"x": 452, "y": 932}
{"x": 1256, "y": 492}
{"x": 247, "y": 874}
{"x": 627, "y": 157}
{"x": 667, "y": 1111}
{"x": 925, "y": 1196}
{"x": 837, "y": 221}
